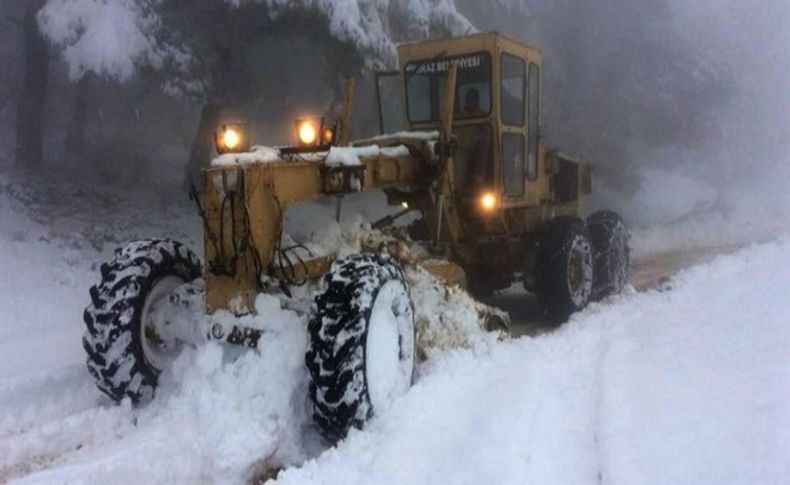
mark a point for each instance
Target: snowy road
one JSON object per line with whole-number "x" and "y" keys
{"x": 689, "y": 383}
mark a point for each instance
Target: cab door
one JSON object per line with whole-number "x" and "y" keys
{"x": 389, "y": 102}
{"x": 513, "y": 128}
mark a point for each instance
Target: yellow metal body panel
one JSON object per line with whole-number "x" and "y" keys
{"x": 252, "y": 230}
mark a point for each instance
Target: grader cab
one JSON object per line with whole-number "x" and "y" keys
{"x": 494, "y": 207}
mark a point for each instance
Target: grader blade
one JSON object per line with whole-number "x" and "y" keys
{"x": 452, "y": 274}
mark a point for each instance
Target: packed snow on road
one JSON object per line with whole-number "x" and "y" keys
{"x": 684, "y": 383}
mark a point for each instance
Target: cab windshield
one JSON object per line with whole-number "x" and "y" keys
{"x": 425, "y": 84}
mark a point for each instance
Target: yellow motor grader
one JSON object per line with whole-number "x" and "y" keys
{"x": 494, "y": 207}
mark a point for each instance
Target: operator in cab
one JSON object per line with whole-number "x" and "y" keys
{"x": 472, "y": 107}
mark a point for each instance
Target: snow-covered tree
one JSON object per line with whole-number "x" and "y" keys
{"x": 213, "y": 50}
{"x": 115, "y": 38}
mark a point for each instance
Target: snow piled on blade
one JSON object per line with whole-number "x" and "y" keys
{"x": 683, "y": 385}
{"x": 446, "y": 317}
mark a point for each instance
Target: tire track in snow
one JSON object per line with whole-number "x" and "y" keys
{"x": 47, "y": 444}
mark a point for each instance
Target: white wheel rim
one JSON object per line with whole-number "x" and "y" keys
{"x": 159, "y": 354}
{"x": 389, "y": 348}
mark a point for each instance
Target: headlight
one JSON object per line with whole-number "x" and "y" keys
{"x": 232, "y": 138}
{"x": 308, "y": 132}
{"x": 488, "y": 201}
{"x": 315, "y": 133}
{"x": 329, "y": 136}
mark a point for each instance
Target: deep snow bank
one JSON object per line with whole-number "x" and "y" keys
{"x": 684, "y": 385}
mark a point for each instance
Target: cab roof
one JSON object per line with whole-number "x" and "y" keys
{"x": 483, "y": 41}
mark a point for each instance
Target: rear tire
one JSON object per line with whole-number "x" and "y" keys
{"x": 362, "y": 343}
{"x": 611, "y": 254}
{"x": 120, "y": 357}
{"x": 564, "y": 269}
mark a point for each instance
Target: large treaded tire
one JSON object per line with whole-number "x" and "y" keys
{"x": 611, "y": 254}
{"x": 337, "y": 357}
{"x": 567, "y": 238}
{"x": 112, "y": 339}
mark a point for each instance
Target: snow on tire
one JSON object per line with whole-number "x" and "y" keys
{"x": 362, "y": 343}
{"x": 121, "y": 357}
{"x": 611, "y": 254}
{"x": 564, "y": 275}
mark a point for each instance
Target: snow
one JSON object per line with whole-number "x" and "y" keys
{"x": 336, "y": 157}
{"x": 350, "y": 157}
{"x": 110, "y": 38}
{"x": 674, "y": 211}
{"x": 257, "y": 154}
{"x": 115, "y": 38}
{"x": 687, "y": 383}
{"x": 405, "y": 135}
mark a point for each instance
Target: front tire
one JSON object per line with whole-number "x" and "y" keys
{"x": 362, "y": 343}
{"x": 125, "y": 356}
{"x": 564, "y": 270}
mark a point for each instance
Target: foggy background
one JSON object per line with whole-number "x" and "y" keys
{"x": 683, "y": 106}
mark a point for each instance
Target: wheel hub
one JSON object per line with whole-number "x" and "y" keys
{"x": 160, "y": 346}
{"x": 389, "y": 349}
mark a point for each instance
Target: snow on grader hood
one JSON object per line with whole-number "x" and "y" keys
{"x": 494, "y": 207}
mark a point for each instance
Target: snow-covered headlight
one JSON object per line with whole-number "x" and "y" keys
{"x": 232, "y": 138}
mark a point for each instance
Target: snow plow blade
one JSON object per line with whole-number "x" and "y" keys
{"x": 452, "y": 274}
{"x": 449, "y": 273}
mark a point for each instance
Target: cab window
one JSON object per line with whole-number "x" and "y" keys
{"x": 425, "y": 84}
{"x": 513, "y": 92}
